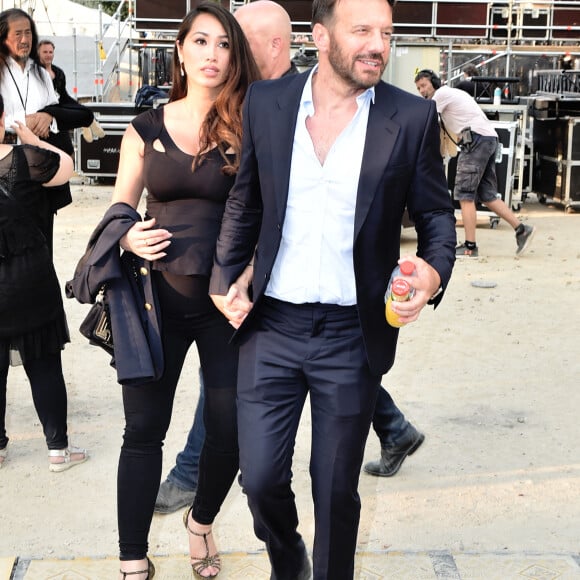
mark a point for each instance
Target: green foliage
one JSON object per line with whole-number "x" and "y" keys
{"x": 108, "y": 7}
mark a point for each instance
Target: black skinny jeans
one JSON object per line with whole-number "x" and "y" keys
{"x": 187, "y": 315}
{"x": 48, "y": 394}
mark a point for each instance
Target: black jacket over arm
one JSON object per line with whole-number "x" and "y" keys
{"x": 130, "y": 295}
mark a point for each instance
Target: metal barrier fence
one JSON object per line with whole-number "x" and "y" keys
{"x": 542, "y": 20}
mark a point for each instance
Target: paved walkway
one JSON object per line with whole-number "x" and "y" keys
{"x": 370, "y": 566}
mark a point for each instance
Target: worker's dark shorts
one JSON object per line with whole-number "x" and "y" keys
{"x": 475, "y": 178}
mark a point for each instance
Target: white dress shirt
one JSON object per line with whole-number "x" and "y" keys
{"x": 24, "y": 93}
{"x": 315, "y": 259}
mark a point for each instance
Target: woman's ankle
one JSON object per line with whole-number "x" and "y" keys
{"x": 134, "y": 569}
{"x": 198, "y": 528}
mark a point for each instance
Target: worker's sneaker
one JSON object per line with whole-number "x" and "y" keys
{"x": 171, "y": 497}
{"x": 524, "y": 238}
{"x": 463, "y": 251}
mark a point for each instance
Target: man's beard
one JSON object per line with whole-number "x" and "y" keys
{"x": 22, "y": 56}
{"x": 346, "y": 69}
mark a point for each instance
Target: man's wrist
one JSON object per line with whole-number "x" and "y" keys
{"x": 435, "y": 295}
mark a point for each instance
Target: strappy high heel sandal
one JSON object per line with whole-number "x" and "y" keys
{"x": 198, "y": 565}
{"x": 150, "y": 571}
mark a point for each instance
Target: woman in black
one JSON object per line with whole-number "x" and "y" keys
{"x": 33, "y": 328}
{"x": 186, "y": 155}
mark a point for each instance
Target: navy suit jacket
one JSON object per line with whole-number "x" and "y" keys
{"x": 401, "y": 167}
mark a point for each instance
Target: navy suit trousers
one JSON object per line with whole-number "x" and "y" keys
{"x": 292, "y": 351}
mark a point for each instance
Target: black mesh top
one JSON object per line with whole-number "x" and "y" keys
{"x": 188, "y": 203}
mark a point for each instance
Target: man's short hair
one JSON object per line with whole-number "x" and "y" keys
{"x": 323, "y": 10}
{"x": 470, "y": 70}
{"x": 46, "y": 41}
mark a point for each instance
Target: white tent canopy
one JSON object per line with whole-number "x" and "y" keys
{"x": 60, "y": 17}
{"x": 75, "y": 31}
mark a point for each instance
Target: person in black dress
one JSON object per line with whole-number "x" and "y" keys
{"x": 186, "y": 155}
{"x": 33, "y": 328}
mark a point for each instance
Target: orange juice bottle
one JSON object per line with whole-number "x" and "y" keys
{"x": 399, "y": 290}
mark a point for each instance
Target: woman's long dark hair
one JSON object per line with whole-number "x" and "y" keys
{"x": 223, "y": 123}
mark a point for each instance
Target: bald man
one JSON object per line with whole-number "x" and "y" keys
{"x": 268, "y": 29}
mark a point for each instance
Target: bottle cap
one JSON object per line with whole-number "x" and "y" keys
{"x": 400, "y": 287}
{"x": 407, "y": 268}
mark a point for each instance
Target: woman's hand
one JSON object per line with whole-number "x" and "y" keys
{"x": 236, "y": 305}
{"x": 39, "y": 123}
{"x": 25, "y": 135}
{"x": 146, "y": 241}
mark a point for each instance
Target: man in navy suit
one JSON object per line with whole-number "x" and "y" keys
{"x": 330, "y": 160}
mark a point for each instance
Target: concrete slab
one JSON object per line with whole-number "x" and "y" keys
{"x": 520, "y": 566}
{"x": 234, "y": 565}
{"x": 437, "y": 565}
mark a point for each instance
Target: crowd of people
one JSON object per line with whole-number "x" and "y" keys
{"x": 272, "y": 224}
